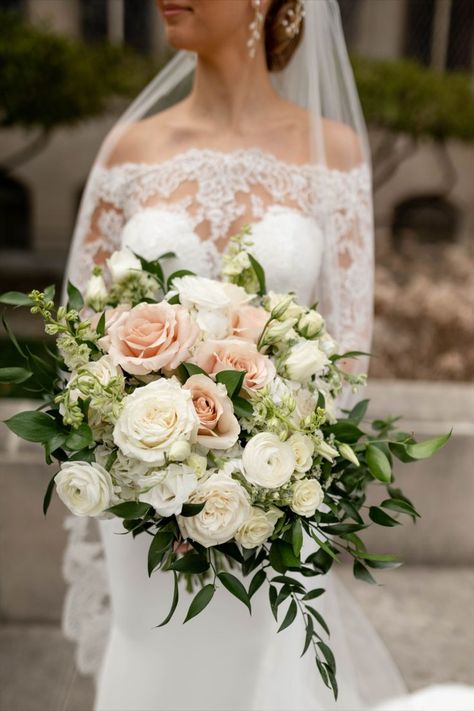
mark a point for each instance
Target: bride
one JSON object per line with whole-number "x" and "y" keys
{"x": 256, "y": 121}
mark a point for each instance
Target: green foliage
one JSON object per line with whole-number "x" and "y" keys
{"x": 48, "y": 80}
{"x": 406, "y": 97}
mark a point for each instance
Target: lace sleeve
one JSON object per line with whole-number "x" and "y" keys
{"x": 347, "y": 277}
{"x": 98, "y": 228}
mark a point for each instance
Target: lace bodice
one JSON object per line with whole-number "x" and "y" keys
{"x": 312, "y": 231}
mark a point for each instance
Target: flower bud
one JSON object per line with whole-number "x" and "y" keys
{"x": 96, "y": 293}
{"x": 310, "y": 324}
{"x": 179, "y": 451}
{"x": 348, "y": 453}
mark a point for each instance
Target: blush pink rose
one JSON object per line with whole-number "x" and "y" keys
{"x": 111, "y": 317}
{"x": 150, "y": 337}
{"x": 219, "y": 427}
{"x": 248, "y": 322}
{"x": 236, "y": 354}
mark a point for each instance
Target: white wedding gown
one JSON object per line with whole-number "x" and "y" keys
{"x": 224, "y": 659}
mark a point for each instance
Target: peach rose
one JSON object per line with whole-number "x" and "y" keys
{"x": 219, "y": 428}
{"x": 150, "y": 337}
{"x": 111, "y": 317}
{"x": 236, "y": 354}
{"x": 248, "y": 322}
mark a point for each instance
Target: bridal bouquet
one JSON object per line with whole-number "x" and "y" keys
{"x": 202, "y": 413}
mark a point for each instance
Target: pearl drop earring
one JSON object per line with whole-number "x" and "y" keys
{"x": 255, "y": 28}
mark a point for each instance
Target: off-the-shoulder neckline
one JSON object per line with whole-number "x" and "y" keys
{"x": 234, "y": 155}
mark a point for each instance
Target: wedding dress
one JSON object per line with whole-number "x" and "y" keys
{"x": 224, "y": 659}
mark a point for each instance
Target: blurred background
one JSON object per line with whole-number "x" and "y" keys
{"x": 67, "y": 69}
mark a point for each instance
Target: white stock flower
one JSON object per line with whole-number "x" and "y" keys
{"x": 153, "y": 418}
{"x": 122, "y": 263}
{"x": 86, "y": 489}
{"x": 267, "y": 461}
{"x": 227, "y": 507}
{"x": 303, "y": 448}
{"x": 258, "y": 528}
{"x": 304, "y": 360}
{"x": 168, "y": 496}
{"x": 307, "y": 497}
{"x": 96, "y": 292}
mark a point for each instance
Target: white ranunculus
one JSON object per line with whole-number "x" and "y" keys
{"x": 227, "y": 507}
{"x": 304, "y": 360}
{"x": 168, "y": 496}
{"x": 153, "y": 418}
{"x": 307, "y": 497}
{"x": 96, "y": 292}
{"x": 86, "y": 489}
{"x": 267, "y": 461}
{"x": 310, "y": 324}
{"x": 122, "y": 263}
{"x": 303, "y": 448}
{"x": 258, "y": 528}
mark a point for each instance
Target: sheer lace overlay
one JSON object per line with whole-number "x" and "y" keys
{"x": 312, "y": 225}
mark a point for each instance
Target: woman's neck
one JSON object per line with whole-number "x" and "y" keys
{"x": 231, "y": 90}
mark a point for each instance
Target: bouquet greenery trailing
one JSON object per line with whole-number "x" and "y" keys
{"x": 203, "y": 414}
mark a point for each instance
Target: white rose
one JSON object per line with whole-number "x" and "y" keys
{"x": 307, "y": 497}
{"x": 153, "y": 418}
{"x": 310, "y": 324}
{"x": 168, "y": 497}
{"x": 86, "y": 489}
{"x": 267, "y": 461}
{"x": 122, "y": 263}
{"x": 209, "y": 294}
{"x": 303, "y": 448}
{"x": 304, "y": 360}
{"x": 258, "y": 528}
{"x": 227, "y": 507}
{"x": 96, "y": 292}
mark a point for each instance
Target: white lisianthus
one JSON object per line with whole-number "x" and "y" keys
{"x": 122, "y": 263}
{"x": 307, "y": 497}
{"x": 168, "y": 497}
{"x": 86, "y": 489}
{"x": 227, "y": 507}
{"x": 303, "y": 448}
{"x": 267, "y": 461}
{"x": 282, "y": 306}
{"x": 310, "y": 324}
{"x": 96, "y": 292}
{"x": 348, "y": 453}
{"x": 304, "y": 360}
{"x": 198, "y": 464}
{"x": 258, "y": 528}
{"x": 179, "y": 451}
{"x": 277, "y": 330}
{"x": 153, "y": 418}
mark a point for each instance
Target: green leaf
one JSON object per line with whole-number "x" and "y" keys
{"x": 160, "y": 544}
{"x": 318, "y": 617}
{"x": 289, "y": 617}
{"x": 12, "y": 337}
{"x": 80, "y": 437}
{"x": 309, "y": 634}
{"x": 15, "y": 298}
{"x": 14, "y": 375}
{"x": 200, "y": 601}
{"x": 231, "y": 550}
{"x": 174, "y": 602}
{"x": 400, "y": 451}
{"x": 256, "y": 582}
{"x": 423, "y": 450}
{"x": 361, "y": 573}
{"x": 383, "y": 519}
{"x": 328, "y": 655}
{"x": 382, "y": 565}
{"x": 242, "y": 407}
{"x": 348, "y": 354}
{"x": 378, "y": 464}
{"x": 176, "y": 275}
{"x": 358, "y": 411}
{"x": 153, "y": 267}
{"x": 282, "y": 556}
{"x": 345, "y": 432}
{"x": 400, "y": 506}
{"x": 259, "y": 273}
{"x": 168, "y": 255}
{"x": 313, "y": 594}
{"x": 192, "y": 509}
{"x": 48, "y": 495}
{"x": 33, "y": 426}
{"x": 382, "y": 557}
{"x": 130, "y": 509}
{"x": 74, "y": 297}
{"x": 190, "y": 563}
{"x": 297, "y": 537}
{"x": 272, "y": 596}
{"x": 232, "y": 379}
{"x": 290, "y": 582}
{"x": 235, "y": 587}
{"x": 100, "y": 329}
{"x": 193, "y": 369}
{"x": 338, "y": 528}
